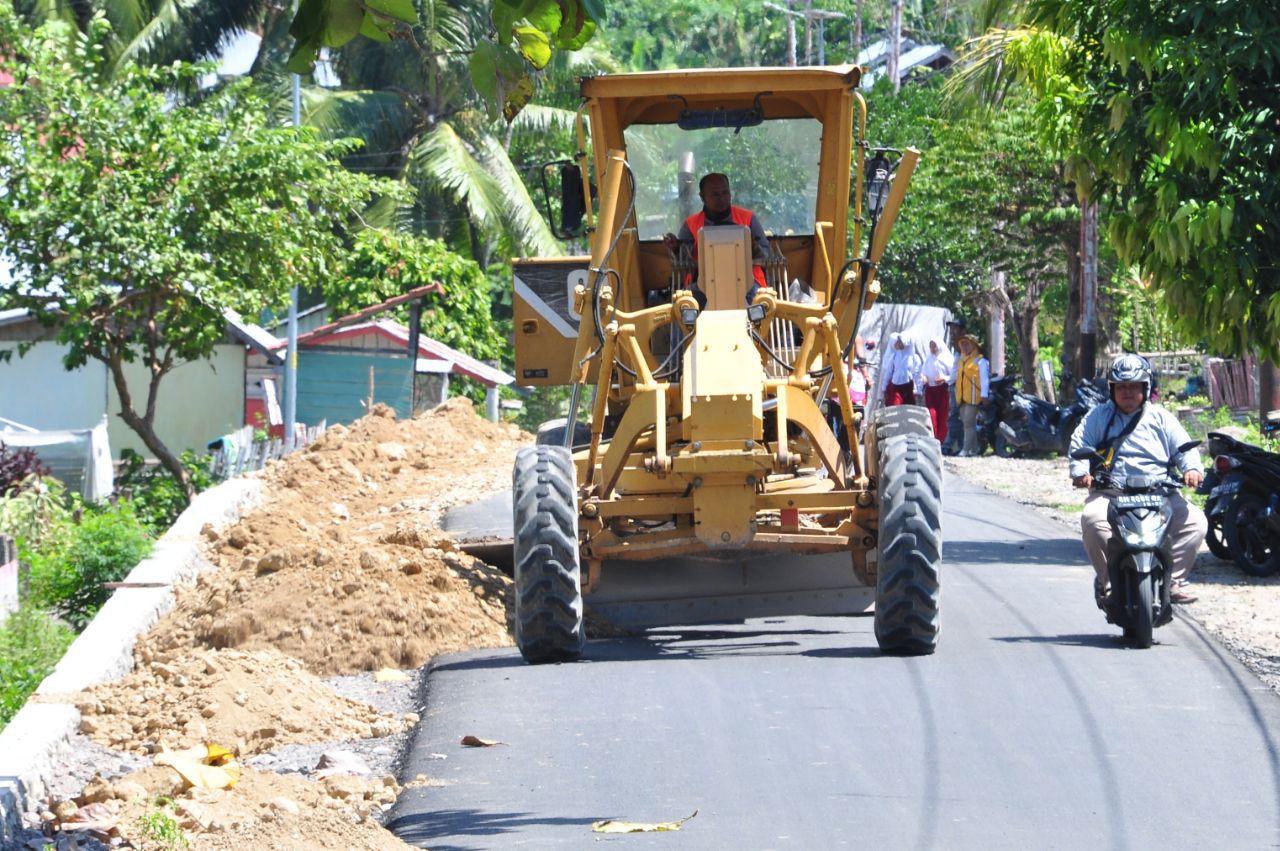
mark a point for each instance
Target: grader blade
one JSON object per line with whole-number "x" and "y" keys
{"x": 683, "y": 590}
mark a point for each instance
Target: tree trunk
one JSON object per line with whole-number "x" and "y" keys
{"x": 145, "y": 429}
{"x": 1027, "y": 325}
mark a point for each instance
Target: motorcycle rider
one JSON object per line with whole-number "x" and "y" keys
{"x": 1136, "y": 439}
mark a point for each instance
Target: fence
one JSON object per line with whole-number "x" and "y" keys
{"x": 238, "y": 452}
{"x": 1232, "y": 383}
{"x": 8, "y": 576}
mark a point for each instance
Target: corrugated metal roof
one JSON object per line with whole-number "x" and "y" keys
{"x": 463, "y": 364}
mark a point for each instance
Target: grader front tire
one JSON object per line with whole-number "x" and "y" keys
{"x": 548, "y": 577}
{"x": 908, "y": 583}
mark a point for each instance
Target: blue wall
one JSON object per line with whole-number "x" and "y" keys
{"x": 333, "y": 385}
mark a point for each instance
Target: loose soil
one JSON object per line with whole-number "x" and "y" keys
{"x": 343, "y": 570}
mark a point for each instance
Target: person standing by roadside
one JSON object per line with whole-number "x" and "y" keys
{"x": 899, "y": 372}
{"x": 973, "y": 384}
{"x": 955, "y": 429}
{"x": 936, "y": 374}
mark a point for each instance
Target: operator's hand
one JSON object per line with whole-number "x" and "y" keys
{"x": 982, "y": 403}
{"x": 1085, "y": 481}
{"x": 1193, "y": 479}
{"x": 670, "y": 241}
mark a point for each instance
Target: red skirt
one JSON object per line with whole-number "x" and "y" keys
{"x": 899, "y": 394}
{"x": 937, "y": 398}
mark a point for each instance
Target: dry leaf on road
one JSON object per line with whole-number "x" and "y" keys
{"x": 614, "y": 826}
{"x": 477, "y": 742}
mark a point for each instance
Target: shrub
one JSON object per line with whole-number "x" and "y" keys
{"x": 156, "y": 495}
{"x": 31, "y": 643}
{"x": 16, "y": 464}
{"x": 68, "y": 578}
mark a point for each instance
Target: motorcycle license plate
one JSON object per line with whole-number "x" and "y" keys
{"x": 1138, "y": 500}
{"x": 1225, "y": 489}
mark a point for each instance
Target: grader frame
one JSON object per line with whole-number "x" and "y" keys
{"x": 712, "y": 485}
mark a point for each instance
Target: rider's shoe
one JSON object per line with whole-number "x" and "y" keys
{"x": 1100, "y": 594}
{"x": 1179, "y": 595}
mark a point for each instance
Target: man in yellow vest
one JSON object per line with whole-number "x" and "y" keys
{"x": 718, "y": 209}
{"x": 973, "y": 384}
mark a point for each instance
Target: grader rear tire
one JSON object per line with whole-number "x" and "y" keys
{"x": 908, "y": 585}
{"x": 548, "y": 577}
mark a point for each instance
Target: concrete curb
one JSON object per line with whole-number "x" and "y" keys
{"x": 34, "y": 741}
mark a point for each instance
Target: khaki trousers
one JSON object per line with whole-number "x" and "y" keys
{"x": 969, "y": 418}
{"x": 1187, "y": 529}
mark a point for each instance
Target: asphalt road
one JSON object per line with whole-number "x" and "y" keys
{"x": 1031, "y": 727}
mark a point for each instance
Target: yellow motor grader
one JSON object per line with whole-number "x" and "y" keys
{"x": 718, "y": 469}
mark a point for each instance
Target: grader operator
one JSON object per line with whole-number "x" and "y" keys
{"x": 699, "y": 477}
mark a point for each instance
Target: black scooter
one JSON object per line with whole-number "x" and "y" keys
{"x": 1019, "y": 423}
{"x": 1243, "y": 504}
{"x": 1139, "y": 570}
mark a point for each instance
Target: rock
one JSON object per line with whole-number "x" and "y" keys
{"x": 341, "y": 762}
{"x": 88, "y": 725}
{"x": 411, "y": 568}
{"x": 96, "y": 791}
{"x": 411, "y": 718}
{"x": 210, "y": 710}
{"x": 285, "y": 805}
{"x": 344, "y": 787}
{"x": 392, "y": 451}
{"x": 340, "y": 511}
{"x": 128, "y": 790}
{"x": 238, "y": 537}
{"x": 272, "y": 561}
{"x": 208, "y": 532}
{"x": 65, "y": 810}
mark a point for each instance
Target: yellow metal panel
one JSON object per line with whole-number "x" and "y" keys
{"x": 724, "y": 265}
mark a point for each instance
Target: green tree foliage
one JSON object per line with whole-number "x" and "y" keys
{"x": 524, "y": 35}
{"x": 1170, "y": 117}
{"x": 987, "y": 198}
{"x": 156, "y": 498}
{"x": 133, "y": 223}
{"x": 103, "y": 547}
{"x": 384, "y": 264}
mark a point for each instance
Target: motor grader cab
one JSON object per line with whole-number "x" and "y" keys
{"x": 700, "y": 475}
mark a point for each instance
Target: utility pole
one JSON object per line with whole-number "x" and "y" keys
{"x": 291, "y": 352}
{"x": 1088, "y": 290}
{"x": 895, "y": 44}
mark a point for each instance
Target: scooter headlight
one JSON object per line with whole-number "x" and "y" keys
{"x": 1145, "y": 534}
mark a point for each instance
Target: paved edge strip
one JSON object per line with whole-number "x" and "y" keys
{"x": 34, "y": 742}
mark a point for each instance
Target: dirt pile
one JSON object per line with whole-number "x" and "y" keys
{"x": 250, "y": 702}
{"x": 152, "y": 807}
{"x": 343, "y": 567}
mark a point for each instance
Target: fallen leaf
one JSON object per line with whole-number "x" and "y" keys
{"x": 207, "y": 766}
{"x": 390, "y": 675}
{"x": 614, "y": 826}
{"x": 477, "y": 742}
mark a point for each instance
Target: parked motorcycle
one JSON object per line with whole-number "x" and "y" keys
{"x": 1018, "y": 423}
{"x": 1139, "y": 570}
{"x": 1243, "y": 504}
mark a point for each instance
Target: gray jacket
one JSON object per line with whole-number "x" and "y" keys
{"x": 1146, "y": 451}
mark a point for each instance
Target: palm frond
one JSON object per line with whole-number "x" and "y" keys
{"x": 983, "y": 73}
{"x": 520, "y": 212}
{"x": 542, "y": 119}
{"x": 443, "y": 158}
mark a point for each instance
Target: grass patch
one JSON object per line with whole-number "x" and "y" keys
{"x": 31, "y": 643}
{"x": 1070, "y": 507}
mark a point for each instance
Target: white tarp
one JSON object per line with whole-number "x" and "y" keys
{"x": 80, "y": 458}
